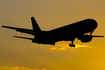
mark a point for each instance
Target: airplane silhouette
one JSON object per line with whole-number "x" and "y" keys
{"x": 65, "y": 33}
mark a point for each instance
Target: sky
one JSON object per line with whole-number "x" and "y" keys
{"x": 20, "y": 54}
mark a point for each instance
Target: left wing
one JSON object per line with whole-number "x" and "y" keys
{"x": 22, "y": 30}
{"x": 23, "y": 37}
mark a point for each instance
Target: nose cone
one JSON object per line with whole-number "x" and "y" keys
{"x": 92, "y": 24}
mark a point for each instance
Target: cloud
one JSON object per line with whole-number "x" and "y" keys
{"x": 18, "y": 68}
{"x": 66, "y": 46}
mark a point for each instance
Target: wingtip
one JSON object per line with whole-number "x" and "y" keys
{"x": 2, "y": 26}
{"x": 14, "y": 36}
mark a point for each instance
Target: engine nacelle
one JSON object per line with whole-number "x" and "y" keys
{"x": 86, "y": 38}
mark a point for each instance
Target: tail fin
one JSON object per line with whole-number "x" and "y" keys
{"x": 35, "y": 26}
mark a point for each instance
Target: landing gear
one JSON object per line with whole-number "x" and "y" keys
{"x": 72, "y": 45}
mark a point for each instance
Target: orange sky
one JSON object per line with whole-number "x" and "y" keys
{"x": 50, "y": 14}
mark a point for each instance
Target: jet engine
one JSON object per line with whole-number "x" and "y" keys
{"x": 86, "y": 38}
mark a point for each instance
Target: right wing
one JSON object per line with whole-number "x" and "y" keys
{"x": 22, "y": 30}
{"x": 97, "y": 36}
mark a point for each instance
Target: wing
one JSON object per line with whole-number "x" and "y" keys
{"x": 23, "y": 37}
{"x": 22, "y": 30}
{"x": 97, "y": 36}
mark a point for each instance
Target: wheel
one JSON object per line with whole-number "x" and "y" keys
{"x": 71, "y": 45}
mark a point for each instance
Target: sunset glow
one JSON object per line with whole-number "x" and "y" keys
{"x": 18, "y": 68}
{"x": 22, "y": 54}
{"x": 66, "y": 46}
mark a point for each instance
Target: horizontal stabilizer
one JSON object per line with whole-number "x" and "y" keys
{"x": 23, "y": 37}
{"x": 97, "y": 36}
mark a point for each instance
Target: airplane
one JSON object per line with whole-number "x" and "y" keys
{"x": 66, "y": 33}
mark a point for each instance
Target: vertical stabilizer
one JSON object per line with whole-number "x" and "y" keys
{"x": 35, "y": 26}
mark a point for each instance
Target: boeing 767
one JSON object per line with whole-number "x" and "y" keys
{"x": 66, "y": 33}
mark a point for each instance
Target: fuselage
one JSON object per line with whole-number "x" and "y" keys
{"x": 67, "y": 32}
